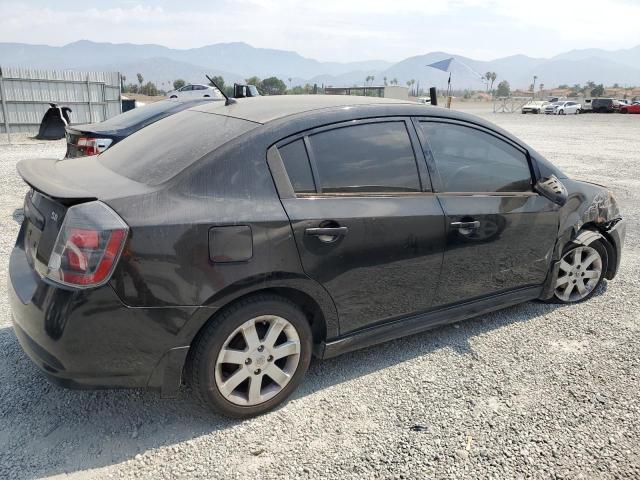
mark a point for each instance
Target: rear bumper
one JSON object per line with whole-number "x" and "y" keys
{"x": 90, "y": 339}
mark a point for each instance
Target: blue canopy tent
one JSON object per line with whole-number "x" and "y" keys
{"x": 445, "y": 66}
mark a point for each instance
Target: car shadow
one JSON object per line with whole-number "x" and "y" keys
{"x": 56, "y": 431}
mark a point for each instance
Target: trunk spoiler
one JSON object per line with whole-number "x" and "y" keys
{"x": 78, "y": 180}
{"x": 46, "y": 177}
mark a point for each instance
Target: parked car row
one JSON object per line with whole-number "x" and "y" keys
{"x": 595, "y": 105}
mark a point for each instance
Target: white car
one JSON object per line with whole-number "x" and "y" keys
{"x": 194, "y": 91}
{"x": 563, "y": 108}
{"x": 534, "y": 106}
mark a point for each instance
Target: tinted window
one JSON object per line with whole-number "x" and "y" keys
{"x": 296, "y": 162}
{"x": 469, "y": 160}
{"x": 374, "y": 157}
{"x": 160, "y": 151}
{"x": 186, "y": 88}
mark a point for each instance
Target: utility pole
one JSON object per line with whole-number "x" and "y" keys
{"x": 535, "y": 77}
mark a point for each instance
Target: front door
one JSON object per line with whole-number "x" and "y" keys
{"x": 366, "y": 223}
{"x": 500, "y": 233}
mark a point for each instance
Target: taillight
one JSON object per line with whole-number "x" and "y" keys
{"x": 93, "y": 146}
{"x": 88, "y": 246}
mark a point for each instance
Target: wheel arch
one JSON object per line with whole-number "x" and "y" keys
{"x": 318, "y": 308}
{"x": 583, "y": 235}
{"x": 592, "y": 232}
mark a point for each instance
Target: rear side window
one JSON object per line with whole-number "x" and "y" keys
{"x": 296, "y": 162}
{"x": 469, "y": 160}
{"x": 160, "y": 151}
{"x": 373, "y": 157}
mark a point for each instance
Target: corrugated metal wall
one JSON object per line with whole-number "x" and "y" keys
{"x": 25, "y": 95}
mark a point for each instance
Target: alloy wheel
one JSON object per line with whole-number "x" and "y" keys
{"x": 580, "y": 272}
{"x": 257, "y": 360}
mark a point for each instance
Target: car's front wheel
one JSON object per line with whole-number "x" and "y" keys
{"x": 252, "y": 357}
{"x": 560, "y": 112}
{"x": 582, "y": 269}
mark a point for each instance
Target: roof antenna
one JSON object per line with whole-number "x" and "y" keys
{"x": 228, "y": 101}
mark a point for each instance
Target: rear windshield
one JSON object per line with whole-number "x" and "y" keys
{"x": 138, "y": 115}
{"x": 160, "y": 151}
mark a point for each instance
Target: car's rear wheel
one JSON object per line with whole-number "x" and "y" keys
{"x": 173, "y": 96}
{"x": 252, "y": 357}
{"x": 578, "y": 111}
{"x": 582, "y": 269}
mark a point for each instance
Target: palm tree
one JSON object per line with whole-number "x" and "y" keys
{"x": 487, "y": 77}
{"x": 394, "y": 81}
{"x": 385, "y": 81}
{"x": 494, "y": 75}
{"x": 410, "y": 84}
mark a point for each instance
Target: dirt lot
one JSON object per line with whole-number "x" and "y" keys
{"x": 534, "y": 391}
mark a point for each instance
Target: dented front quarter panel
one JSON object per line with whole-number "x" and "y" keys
{"x": 593, "y": 207}
{"x": 588, "y": 204}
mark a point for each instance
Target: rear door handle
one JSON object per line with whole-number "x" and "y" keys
{"x": 327, "y": 234}
{"x": 466, "y": 225}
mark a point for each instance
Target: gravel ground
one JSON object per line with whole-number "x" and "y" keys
{"x": 533, "y": 391}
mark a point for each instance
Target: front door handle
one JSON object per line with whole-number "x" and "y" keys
{"x": 327, "y": 234}
{"x": 466, "y": 225}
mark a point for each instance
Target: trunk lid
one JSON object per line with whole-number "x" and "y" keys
{"x": 56, "y": 186}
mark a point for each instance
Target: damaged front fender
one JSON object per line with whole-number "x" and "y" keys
{"x": 591, "y": 213}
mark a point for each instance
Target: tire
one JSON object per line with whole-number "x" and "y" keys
{"x": 173, "y": 96}
{"x": 578, "y": 111}
{"x": 536, "y": 112}
{"x": 624, "y": 110}
{"x": 209, "y": 373}
{"x": 560, "y": 112}
{"x": 572, "y": 275}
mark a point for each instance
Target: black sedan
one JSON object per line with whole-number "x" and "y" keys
{"x": 226, "y": 245}
{"x": 94, "y": 138}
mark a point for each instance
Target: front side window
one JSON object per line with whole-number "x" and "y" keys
{"x": 372, "y": 157}
{"x": 469, "y": 160}
{"x": 186, "y": 88}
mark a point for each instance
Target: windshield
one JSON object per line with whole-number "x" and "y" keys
{"x": 160, "y": 151}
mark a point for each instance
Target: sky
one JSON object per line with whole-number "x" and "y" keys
{"x": 333, "y": 30}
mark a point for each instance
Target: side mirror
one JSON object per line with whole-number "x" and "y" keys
{"x": 553, "y": 189}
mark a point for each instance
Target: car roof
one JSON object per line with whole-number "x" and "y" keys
{"x": 268, "y": 108}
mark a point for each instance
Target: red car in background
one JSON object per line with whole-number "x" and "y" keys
{"x": 634, "y": 108}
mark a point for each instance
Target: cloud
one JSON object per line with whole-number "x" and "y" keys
{"x": 332, "y": 29}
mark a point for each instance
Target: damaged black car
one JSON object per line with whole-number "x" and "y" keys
{"x": 224, "y": 246}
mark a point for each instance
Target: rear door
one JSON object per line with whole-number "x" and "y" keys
{"x": 500, "y": 233}
{"x": 366, "y": 222}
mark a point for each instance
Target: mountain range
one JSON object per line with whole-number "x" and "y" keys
{"x": 237, "y": 61}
